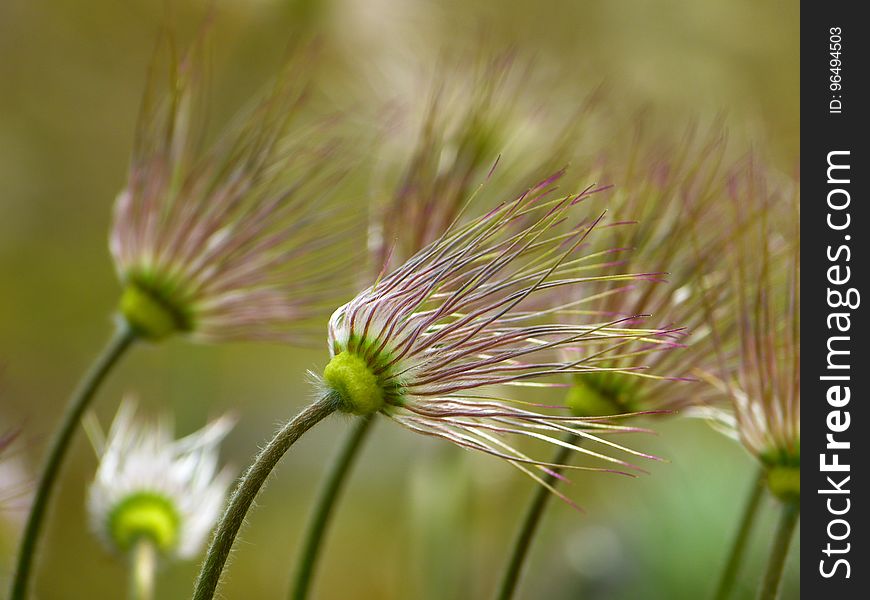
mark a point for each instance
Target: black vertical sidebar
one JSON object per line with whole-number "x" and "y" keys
{"x": 835, "y": 368}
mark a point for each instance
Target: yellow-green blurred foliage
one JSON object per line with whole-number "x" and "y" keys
{"x": 416, "y": 521}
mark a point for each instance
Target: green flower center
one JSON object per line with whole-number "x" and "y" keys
{"x": 785, "y": 483}
{"x": 350, "y": 376}
{"x": 144, "y": 515}
{"x": 151, "y": 313}
{"x": 784, "y": 474}
{"x": 361, "y": 376}
{"x": 597, "y": 395}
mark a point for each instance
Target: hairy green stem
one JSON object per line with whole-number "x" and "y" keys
{"x": 779, "y": 551}
{"x": 529, "y": 527}
{"x": 747, "y": 520}
{"x": 78, "y": 403}
{"x": 326, "y": 500}
{"x": 247, "y": 489}
{"x": 142, "y": 570}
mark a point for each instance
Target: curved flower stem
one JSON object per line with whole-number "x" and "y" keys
{"x": 529, "y": 527}
{"x": 143, "y": 568}
{"x": 778, "y": 553}
{"x": 78, "y": 403}
{"x": 326, "y": 500}
{"x": 750, "y": 511}
{"x": 247, "y": 489}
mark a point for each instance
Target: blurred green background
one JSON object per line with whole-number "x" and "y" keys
{"x": 418, "y": 520}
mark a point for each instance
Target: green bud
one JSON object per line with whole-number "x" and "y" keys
{"x": 784, "y": 482}
{"x": 784, "y": 472}
{"x": 353, "y": 380}
{"x": 144, "y": 515}
{"x": 586, "y": 399}
{"x": 149, "y": 315}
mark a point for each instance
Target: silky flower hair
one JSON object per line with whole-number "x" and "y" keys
{"x": 754, "y": 313}
{"x": 149, "y": 485}
{"x": 424, "y": 343}
{"x": 243, "y": 240}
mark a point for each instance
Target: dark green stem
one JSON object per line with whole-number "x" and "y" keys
{"x": 77, "y": 405}
{"x": 247, "y": 489}
{"x": 750, "y": 511}
{"x": 779, "y": 551}
{"x": 326, "y": 500}
{"x": 529, "y": 527}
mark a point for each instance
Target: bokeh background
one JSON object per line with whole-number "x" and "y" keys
{"x": 418, "y": 521}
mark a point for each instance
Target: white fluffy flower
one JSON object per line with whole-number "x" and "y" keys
{"x": 149, "y": 485}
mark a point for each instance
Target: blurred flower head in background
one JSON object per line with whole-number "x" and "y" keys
{"x": 243, "y": 240}
{"x": 476, "y": 134}
{"x": 470, "y": 311}
{"x": 754, "y": 314}
{"x": 150, "y": 486}
{"x": 671, "y": 189}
